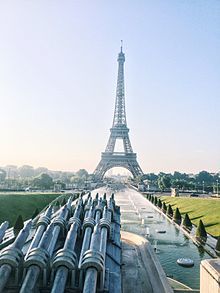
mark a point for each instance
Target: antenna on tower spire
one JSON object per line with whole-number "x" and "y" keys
{"x": 121, "y": 44}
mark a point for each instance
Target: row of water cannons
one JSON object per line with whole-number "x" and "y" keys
{"x": 66, "y": 250}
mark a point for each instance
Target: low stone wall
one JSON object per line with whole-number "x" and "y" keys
{"x": 210, "y": 276}
{"x": 151, "y": 265}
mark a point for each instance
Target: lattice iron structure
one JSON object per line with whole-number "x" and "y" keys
{"x": 119, "y": 130}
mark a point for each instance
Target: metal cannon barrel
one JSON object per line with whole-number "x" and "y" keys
{"x": 42, "y": 224}
{"x": 36, "y": 260}
{"x": 59, "y": 224}
{"x": 11, "y": 256}
{"x": 65, "y": 258}
{"x": 88, "y": 226}
{"x": 93, "y": 263}
{"x": 38, "y": 257}
{"x": 98, "y": 210}
{"x": 105, "y": 226}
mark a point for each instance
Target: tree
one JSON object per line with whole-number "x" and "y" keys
{"x": 187, "y": 222}
{"x": 19, "y": 224}
{"x": 204, "y": 176}
{"x": 82, "y": 173}
{"x": 177, "y": 216}
{"x": 2, "y": 175}
{"x": 159, "y": 204}
{"x": 169, "y": 211}
{"x": 43, "y": 181}
{"x": 217, "y": 247}
{"x": 200, "y": 231}
{"x": 164, "y": 207}
{"x": 180, "y": 176}
{"x": 180, "y": 183}
{"x": 164, "y": 181}
{"x": 26, "y": 171}
{"x": 40, "y": 170}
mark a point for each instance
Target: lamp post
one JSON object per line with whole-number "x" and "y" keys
{"x": 203, "y": 187}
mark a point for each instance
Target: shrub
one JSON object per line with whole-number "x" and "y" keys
{"x": 217, "y": 247}
{"x": 19, "y": 224}
{"x": 177, "y": 216}
{"x": 200, "y": 231}
{"x": 159, "y": 203}
{"x": 169, "y": 211}
{"x": 164, "y": 207}
{"x": 187, "y": 222}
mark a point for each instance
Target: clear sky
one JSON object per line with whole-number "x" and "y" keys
{"x": 58, "y": 70}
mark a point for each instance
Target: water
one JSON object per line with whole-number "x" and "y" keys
{"x": 138, "y": 216}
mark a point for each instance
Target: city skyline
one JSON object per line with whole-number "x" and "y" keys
{"x": 58, "y": 82}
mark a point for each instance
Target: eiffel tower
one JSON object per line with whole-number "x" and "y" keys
{"x": 119, "y": 130}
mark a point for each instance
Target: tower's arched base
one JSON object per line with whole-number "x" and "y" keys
{"x": 111, "y": 160}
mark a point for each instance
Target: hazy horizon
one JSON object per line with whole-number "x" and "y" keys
{"x": 58, "y": 81}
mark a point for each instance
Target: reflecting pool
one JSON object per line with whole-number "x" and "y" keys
{"x": 138, "y": 216}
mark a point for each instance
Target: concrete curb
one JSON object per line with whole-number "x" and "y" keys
{"x": 158, "y": 279}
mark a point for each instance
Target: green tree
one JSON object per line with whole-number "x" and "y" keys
{"x": 159, "y": 203}
{"x": 187, "y": 222}
{"x": 164, "y": 182}
{"x": 217, "y": 247}
{"x": 204, "y": 176}
{"x": 164, "y": 207}
{"x": 200, "y": 231}
{"x": 43, "y": 181}
{"x": 169, "y": 211}
{"x": 19, "y": 224}
{"x": 177, "y": 216}
{"x": 82, "y": 173}
{"x": 26, "y": 171}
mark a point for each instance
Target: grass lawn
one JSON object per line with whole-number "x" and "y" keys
{"x": 207, "y": 209}
{"x": 19, "y": 203}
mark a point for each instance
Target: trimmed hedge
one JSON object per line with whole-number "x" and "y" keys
{"x": 159, "y": 203}
{"x": 177, "y": 216}
{"x": 164, "y": 207}
{"x": 169, "y": 211}
{"x": 19, "y": 224}
{"x": 200, "y": 231}
{"x": 217, "y": 247}
{"x": 187, "y": 222}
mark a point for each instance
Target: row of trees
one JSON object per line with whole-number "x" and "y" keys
{"x": 185, "y": 221}
{"x": 45, "y": 180}
{"x": 202, "y": 180}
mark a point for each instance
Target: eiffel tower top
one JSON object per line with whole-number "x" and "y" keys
{"x": 119, "y": 120}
